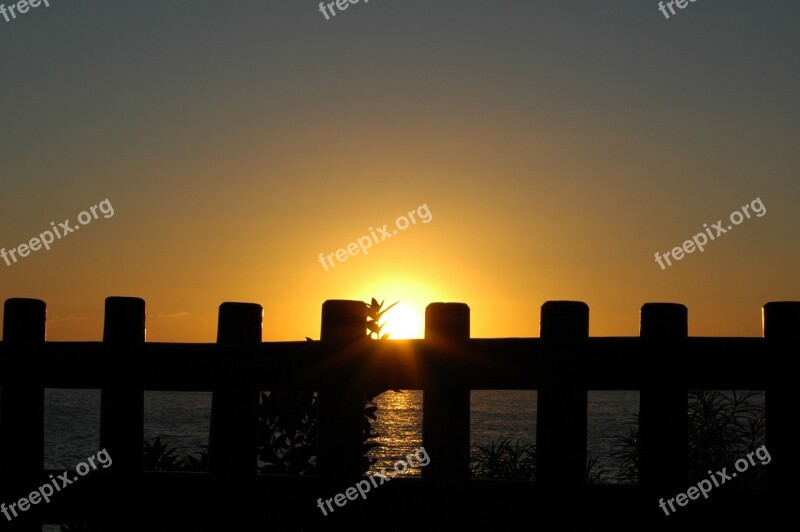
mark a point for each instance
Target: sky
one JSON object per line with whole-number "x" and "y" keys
{"x": 553, "y": 146}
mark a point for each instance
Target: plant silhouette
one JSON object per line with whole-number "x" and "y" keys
{"x": 374, "y": 315}
{"x": 723, "y": 426}
{"x": 287, "y": 421}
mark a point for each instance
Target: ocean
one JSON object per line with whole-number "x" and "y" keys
{"x": 181, "y": 420}
{"x": 498, "y": 414}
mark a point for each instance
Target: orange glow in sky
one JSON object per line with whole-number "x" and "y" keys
{"x": 556, "y": 147}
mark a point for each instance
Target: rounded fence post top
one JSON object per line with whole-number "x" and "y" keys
{"x": 343, "y": 321}
{"x": 350, "y": 304}
{"x": 564, "y": 319}
{"x": 24, "y": 304}
{"x": 119, "y": 300}
{"x": 23, "y": 300}
{"x": 124, "y": 320}
{"x": 781, "y": 319}
{"x": 448, "y": 304}
{"x": 565, "y": 304}
{"x": 664, "y": 320}
{"x": 239, "y": 323}
{"x": 24, "y": 320}
{"x": 231, "y": 306}
{"x": 783, "y": 306}
{"x": 447, "y": 320}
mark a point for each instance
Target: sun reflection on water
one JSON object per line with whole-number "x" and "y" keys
{"x": 399, "y": 428}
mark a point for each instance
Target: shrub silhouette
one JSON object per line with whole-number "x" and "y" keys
{"x": 503, "y": 461}
{"x": 287, "y": 437}
{"x": 722, "y": 428}
{"x": 160, "y": 457}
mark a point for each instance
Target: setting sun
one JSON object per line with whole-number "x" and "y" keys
{"x": 402, "y": 321}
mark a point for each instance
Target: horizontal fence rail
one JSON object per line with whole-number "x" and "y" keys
{"x": 598, "y": 363}
{"x": 663, "y": 363}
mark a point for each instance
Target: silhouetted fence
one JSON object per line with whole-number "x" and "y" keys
{"x": 663, "y": 363}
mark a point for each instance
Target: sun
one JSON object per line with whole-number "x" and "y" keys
{"x": 402, "y": 321}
